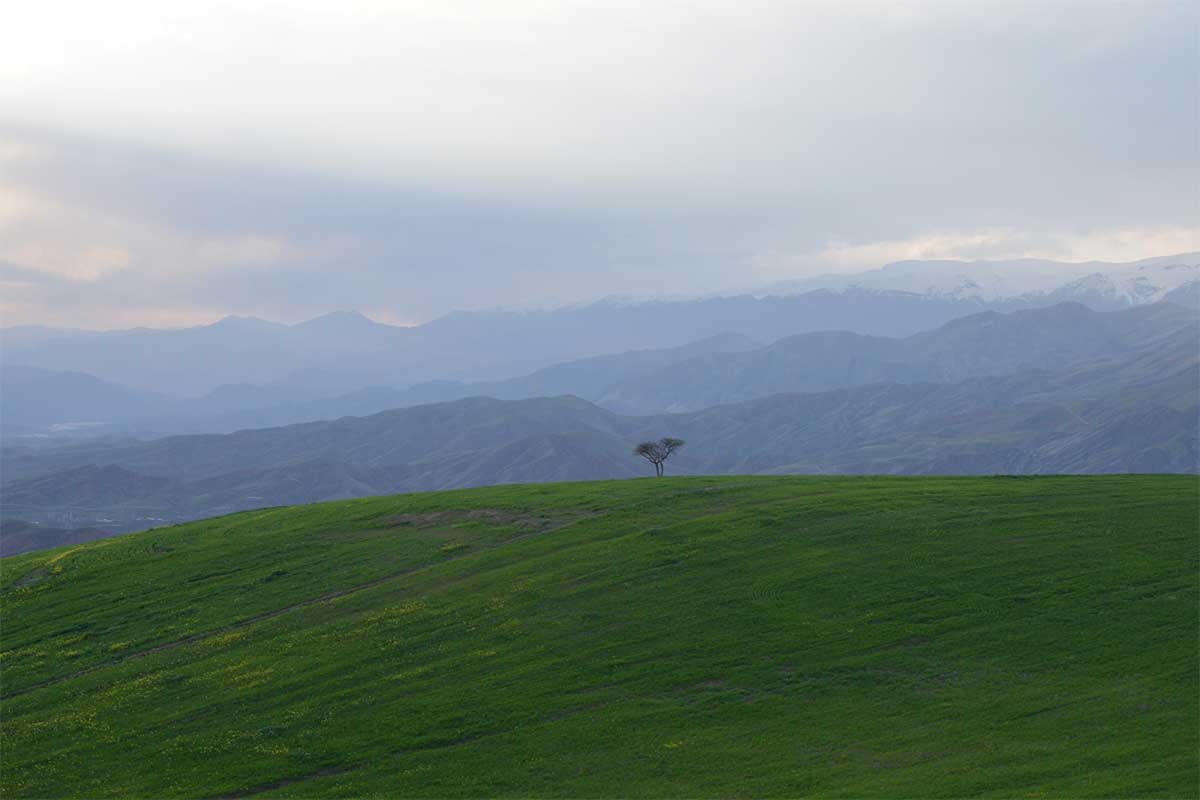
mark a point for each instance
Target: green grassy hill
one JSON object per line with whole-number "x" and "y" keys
{"x": 689, "y": 637}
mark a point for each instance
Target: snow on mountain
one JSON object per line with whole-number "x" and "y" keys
{"x": 1187, "y": 295}
{"x": 1134, "y": 285}
{"x": 1100, "y": 284}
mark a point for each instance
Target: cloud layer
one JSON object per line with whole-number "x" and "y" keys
{"x": 180, "y": 161}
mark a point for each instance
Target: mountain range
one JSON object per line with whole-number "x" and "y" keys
{"x": 104, "y": 432}
{"x": 719, "y": 369}
{"x": 242, "y": 363}
{"x": 345, "y": 351}
{"x": 38, "y": 402}
{"x": 1105, "y": 286}
{"x": 1112, "y": 392}
{"x": 988, "y": 343}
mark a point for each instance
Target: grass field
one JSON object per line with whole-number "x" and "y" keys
{"x": 692, "y": 637}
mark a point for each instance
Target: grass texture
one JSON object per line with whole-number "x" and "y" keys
{"x": 683, "y": 637}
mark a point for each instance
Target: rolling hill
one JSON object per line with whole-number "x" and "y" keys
{"x": 18, "y": 536}
{"x": 684, "y": 637}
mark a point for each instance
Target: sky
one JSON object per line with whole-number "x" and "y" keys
{"x": 170, "y": 163}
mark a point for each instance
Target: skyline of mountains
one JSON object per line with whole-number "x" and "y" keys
{"x": 249, "y": 362}
{"x": 988, "y": 343}
{"x": 719, "y": 369}
{"x": 1115, "y": 393}
{"x": 344, "y": 351}
{"x": 857, "y": 379}
{"x": 1102, "y": 285}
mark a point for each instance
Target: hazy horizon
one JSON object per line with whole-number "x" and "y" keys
{"x": 549, "y": 304}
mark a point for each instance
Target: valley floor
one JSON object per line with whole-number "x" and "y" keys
{"x": 683, "y": 637}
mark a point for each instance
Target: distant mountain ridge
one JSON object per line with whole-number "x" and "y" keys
{"x": 343, "y": 352}
{"x": 34, "y": 400}
{"x": 1101, "y": 285}
{"x": 719, "y": 369}
{"x": 1133, "y": 412}
{"x": 985, "y": 344}
{"x": 338, "y": 353}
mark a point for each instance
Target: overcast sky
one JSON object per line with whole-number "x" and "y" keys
{"x": 168, "y": 163}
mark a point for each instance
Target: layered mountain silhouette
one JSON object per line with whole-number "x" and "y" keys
{"x": 129, "y": 429}
{"x": 719, "y": 369}
{"x": 1126, "y": 403}
{"x": 269, "y": 363}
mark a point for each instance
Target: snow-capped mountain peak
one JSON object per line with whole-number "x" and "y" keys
{"x": 1101, "y": 285}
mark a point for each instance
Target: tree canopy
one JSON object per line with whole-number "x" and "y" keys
{"x": 658, "y": 452}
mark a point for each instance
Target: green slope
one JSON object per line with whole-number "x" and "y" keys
{"x": 685, "y": 637}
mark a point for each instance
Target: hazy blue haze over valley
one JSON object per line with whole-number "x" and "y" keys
{"x": 1059, "y": 388}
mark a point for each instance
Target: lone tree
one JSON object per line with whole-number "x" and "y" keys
{"x": 658, "y": 452}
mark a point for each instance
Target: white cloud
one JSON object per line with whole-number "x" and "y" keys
{"x": 83, "y": 244}
{"x": 450, "y": 153}
{"x": 1127, "y": 244}
{"x": 992, "y": 244}
{"x": 648, "y": 97}
{"x": 60, "y": 262}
